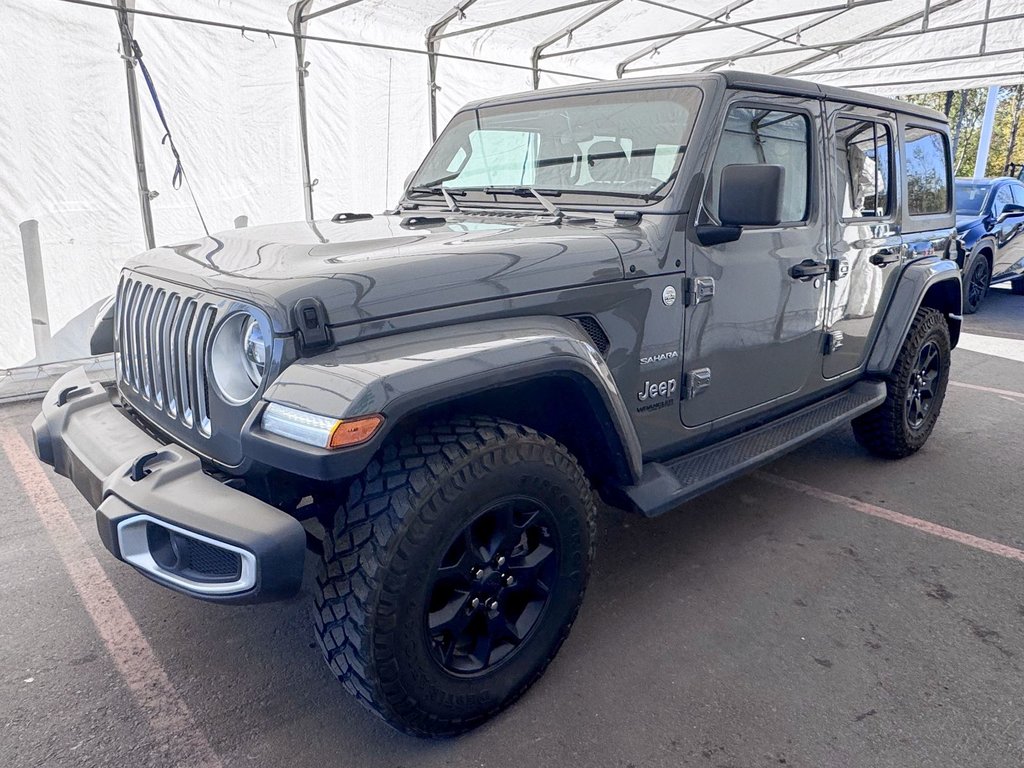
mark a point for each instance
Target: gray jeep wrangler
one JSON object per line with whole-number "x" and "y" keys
{"x": 636, "y": 290}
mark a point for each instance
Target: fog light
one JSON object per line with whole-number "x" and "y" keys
{"x": 320, "y": 431}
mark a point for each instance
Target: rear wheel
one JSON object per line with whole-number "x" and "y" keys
{"x": 916, "y": 389}
{"x": 454, "y": 572}
{"x": 976, "y": 276}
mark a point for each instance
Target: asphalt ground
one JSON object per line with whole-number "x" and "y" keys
{"x": 831, "y": 610}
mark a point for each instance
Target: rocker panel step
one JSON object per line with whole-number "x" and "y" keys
{"x": 666, "y": 485}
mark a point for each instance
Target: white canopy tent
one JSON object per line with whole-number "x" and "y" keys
{"x": 258, "y": 91}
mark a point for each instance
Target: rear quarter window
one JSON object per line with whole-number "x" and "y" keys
{"x": 926, "y": 165}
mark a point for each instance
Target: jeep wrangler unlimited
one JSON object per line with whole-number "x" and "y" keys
{"x": 636, "y": 290}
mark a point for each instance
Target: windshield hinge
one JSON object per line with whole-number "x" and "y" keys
{"x": 699, "y": 290}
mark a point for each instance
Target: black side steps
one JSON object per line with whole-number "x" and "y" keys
{"x": 664, "y": 486}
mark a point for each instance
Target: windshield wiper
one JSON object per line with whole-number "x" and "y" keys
{"x": 550, "y": 207}
{"x": 445, "y": 193}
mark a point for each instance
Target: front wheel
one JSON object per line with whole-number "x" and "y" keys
{"x": 454, "y": 572}
{"x": 977, "y": 275}
{"x": 916, "y": 389}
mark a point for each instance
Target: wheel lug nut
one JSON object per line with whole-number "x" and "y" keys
{"x": 501, "y": 561}
{"x": 474, "y": 603}
{"x": 492, "y": 605}
{"x": 509, "y": 581}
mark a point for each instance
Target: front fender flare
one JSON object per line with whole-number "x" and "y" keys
{"x": 401, "y": 374}
{"x": 932, "y": 278}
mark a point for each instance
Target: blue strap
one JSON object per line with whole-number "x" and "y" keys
{"x": 179, "y": 170}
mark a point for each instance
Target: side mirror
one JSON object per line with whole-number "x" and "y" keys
{"x": 1010, "y": 211}
{"x": 748, "y": 195}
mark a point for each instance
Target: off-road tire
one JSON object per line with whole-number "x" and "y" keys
{"x": 1017, "y": 286}
{"x": 976, "y": 276}
{"x": 388, "y": 539}
{"x": 886, "y": 431}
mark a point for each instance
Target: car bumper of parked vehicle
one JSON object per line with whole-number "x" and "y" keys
{"x": 156, "y": 508}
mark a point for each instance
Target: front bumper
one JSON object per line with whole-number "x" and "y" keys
{"x": 156, "y": 508}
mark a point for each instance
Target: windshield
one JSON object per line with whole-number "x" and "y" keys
{"x": 970, "y": 197}
{"x": 618, "y": 146}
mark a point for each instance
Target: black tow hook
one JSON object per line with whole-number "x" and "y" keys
{"x": 70, "y": 392}
{"x": 139, "y": 470}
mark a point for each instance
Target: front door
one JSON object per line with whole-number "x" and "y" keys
{"x": 758, "y": 339}
{"x": 1010, "y": 232}
{"x": 867, "y": 250}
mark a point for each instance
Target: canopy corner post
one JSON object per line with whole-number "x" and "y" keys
{"x": 457, "y": 11}
{"x": 126, "y": 25}
{"x": 987, "y": 123}
{"x": 296, "y": 15}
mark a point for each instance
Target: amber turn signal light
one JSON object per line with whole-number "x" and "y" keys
{"x": 349, "y": 432}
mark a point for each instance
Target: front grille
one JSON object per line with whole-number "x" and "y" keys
{"x": 162, "y": 338}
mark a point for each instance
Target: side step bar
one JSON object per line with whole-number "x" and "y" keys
{"x": 664, "y": 486}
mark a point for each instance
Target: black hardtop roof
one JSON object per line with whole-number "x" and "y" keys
{"x": 752, "y": 81}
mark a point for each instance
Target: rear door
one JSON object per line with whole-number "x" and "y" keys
{"x": 1010, "y": 233}
{"x": 753, "y": 329}
{"x": 866, "y": 247}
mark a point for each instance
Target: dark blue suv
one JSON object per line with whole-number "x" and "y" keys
{"x": 990, "y": 220}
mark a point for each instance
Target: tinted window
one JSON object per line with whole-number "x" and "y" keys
{"x": 864, "y": 175}
{"x": 766, "y": 137}
{"x": 1003, "y": 198}
{"x": 970, "y": 196}
{"x": 1018, "y": 193}
{"x": 927, "y": 170}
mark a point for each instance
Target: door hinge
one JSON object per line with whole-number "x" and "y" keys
{"x": 833, "y": 341}
{"x": 838, "y": 269}
{"x": 699, "y": 290}
{"x": 695, "y": 382}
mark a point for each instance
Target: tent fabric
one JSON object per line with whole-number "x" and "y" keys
{"x": 231, "y": 99}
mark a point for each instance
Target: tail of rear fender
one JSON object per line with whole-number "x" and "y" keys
{"x": 929, "y": 282}
{"x": 407, "y": 374}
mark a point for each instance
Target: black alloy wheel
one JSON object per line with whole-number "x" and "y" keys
{"x": 977, "y": 284}
{"x": 923, "y": 386}
{"x": 492, "y": 586}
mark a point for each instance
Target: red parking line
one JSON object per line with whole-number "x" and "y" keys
{"x": 990, "y": 390}
{"x": 168, "y": 715}
{"x": 967, "y": 539}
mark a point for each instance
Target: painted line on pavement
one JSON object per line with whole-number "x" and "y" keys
{"x": 168, "y": 715}
{"x": 934, "y": 529}
{"x": 1010, "y": 349}
{"x": 990, "y": 390}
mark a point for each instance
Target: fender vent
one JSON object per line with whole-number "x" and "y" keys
{"x": 594, "y": 330}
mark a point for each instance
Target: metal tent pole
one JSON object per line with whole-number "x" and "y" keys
{"x": 986, "y": 131}
{"x": 295, "y": 11}
{"x": 433, "y": 31}
{"x": 35, "y": 279}
{"x": 565, "y": 31}
{"x": 126, "y": 24}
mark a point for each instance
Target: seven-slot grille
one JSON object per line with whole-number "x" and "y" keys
{"x": 162, "y": 339}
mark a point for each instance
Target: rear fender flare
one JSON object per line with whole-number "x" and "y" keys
{"x": 931, "y": 282}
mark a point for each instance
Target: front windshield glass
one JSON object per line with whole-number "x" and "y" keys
{"x": 616, "y": 146}
{"x": 970, "y": 197}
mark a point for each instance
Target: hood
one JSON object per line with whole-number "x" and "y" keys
{"x": 970, "y": 221}
{"x": 363, "y": 269}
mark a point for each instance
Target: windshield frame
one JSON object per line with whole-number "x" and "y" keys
{"x": 503, "y": 196}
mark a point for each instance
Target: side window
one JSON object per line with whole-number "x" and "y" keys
{"x": 766, "y": 137}
{"x": 863, "y": 176}
{"x": 1018, "y": 193}
{"x": 927, "y": 168}
{"x": 1003, "y": 198}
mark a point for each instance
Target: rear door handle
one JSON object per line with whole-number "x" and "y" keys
{"x": 808, "y": 268}
{"x": 885, "y": 257}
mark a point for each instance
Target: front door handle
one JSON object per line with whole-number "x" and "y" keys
{"x": 808, "y": 268}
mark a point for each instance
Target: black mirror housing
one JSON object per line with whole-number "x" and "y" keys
{"x": 751, "y": 195}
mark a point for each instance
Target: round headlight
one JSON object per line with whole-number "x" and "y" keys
{"x": 238, "y": 358}
{"x": 254, "y": 351}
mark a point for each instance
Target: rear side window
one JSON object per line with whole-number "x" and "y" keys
{"x": 927, "y": 168}
{"x": 1018, "y": 193}
{"x": 864, "y": 174}
{"x": 766, "y": 137}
